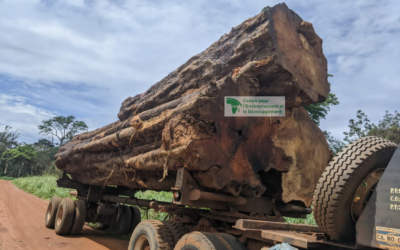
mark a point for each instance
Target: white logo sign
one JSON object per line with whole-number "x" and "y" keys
{"x": 254, "y": 106}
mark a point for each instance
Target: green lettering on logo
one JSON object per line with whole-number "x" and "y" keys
{"x": 235, "y": 104}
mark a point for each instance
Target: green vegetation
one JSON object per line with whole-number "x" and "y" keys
{"x": 43, "y": 187}
{"x": 21, "y": 156}
{"x": 22, "y": 159}
{"x": 158, "y": 196}
{"x": 319, "y": 111}
{"x": 7, "y": 178}
{"x": 388, "y": 127}
{"x": 308, "y": 221}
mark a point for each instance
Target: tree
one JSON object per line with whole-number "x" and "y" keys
{"x": 64, "y": 128}
{"x": 359, "y": 128}
{"x": 335, "y": 145}
{"x": 44, "y": 142}
{"x": 42, "y": 162}
{"x": 8, "y": 138}
{"x": 319, "y": 111}
{"x": 388, "y": 127}
{"x": 20, "y": 156}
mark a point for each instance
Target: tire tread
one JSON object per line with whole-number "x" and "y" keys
{"x": 340, "y": 172}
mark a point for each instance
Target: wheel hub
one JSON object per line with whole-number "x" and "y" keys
{"x": 60, "y": 215}
{"x": 49, "y": 211}
{"x": 142, "y": 243}
{"x": 364, "y": 193}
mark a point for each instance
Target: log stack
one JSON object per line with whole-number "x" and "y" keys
{"x": 179, "y": 122}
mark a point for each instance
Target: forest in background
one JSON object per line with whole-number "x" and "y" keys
{"x": 19, "y": 159}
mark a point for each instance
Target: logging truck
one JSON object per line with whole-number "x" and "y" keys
{"x": 235, "y": 173}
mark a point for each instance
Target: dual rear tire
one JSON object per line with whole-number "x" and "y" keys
{"x": 52, "y": 211}
{"x": 66, "y": 216}
{"x": 128, "y": 219}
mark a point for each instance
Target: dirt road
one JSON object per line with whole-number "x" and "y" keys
{"x": 22, "y": 226}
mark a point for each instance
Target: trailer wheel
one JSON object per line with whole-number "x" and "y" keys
{"x": 65, "y": 216}
{"x": 177, "y": 229}
{"x": 124, "y": 222}
{"x": 136, "y": 218}
{"x": 80, "y": 216}
{"x": 201, "y": 241}
{"x": 230, "y": 241}
{"x": 151, "y": 234}
{"x": 51, "y": 213}
{"x": 347, "y": 184}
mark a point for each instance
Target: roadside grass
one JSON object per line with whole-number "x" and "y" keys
{"x": 6, "y": 178}
{"x": 43, "y": 187}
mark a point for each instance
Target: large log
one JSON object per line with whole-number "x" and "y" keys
{"x": 179, "y": 122}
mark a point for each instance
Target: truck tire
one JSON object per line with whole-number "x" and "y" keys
{"x": 65, "y": 216}
{"x": 151, "y": 234}
{"x": 201, "y": 241}
{"x": 80, "y": 216}
{"x": 230, "y": 241}
{"x": 136, "y": 218}
{"x": 177, "y": 229}
{"x": 124, "y": 221}
{"x": 51, "y": 213}
{"x": 336, "y": 194}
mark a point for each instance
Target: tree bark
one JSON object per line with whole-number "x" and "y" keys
{"x": 19, "y": 170}
{"x": 179, "y": 122}
{"x": 5, "y": 169}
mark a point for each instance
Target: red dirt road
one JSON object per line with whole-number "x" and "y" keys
{"x": 22, "y": 226}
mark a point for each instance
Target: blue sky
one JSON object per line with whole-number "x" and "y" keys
{"x": 83, "y": 58}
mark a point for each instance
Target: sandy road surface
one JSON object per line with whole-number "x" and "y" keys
{"x": 22, "y": 226}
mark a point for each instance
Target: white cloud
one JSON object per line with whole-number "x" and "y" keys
{"x": 15, "y": 112}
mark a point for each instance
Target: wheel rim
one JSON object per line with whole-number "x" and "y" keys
{"x": 48, "y": 214}
{"x": 60, "y": 215}
{"x": 364, "y": 193}
{"x": 142, "y": 243}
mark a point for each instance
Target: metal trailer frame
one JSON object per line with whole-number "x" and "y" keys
{"x": 257, "y": 222}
